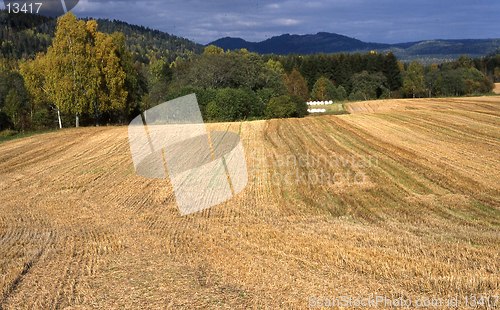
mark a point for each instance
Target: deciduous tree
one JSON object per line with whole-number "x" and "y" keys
{"x": 323, "y": 90}
{"x": 111, "y": 93}
{"x": 367, "y": 86}
{"x": 72, "y": 78}
{"x": 392, "y": 72}
{"x": 213, "y": 50}
{"x": 414, "y": 80}
{"x": 296, "y": 85}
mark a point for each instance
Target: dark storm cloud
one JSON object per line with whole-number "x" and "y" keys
{"x": 380, "y": 21}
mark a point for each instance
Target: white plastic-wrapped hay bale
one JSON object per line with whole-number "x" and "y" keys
{"x": 316, "y": 110}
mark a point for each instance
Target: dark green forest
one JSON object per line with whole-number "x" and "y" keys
{"x": 26, "y": 35}
{"x": 110, "y": 71}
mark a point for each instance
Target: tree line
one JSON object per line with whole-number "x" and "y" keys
{"x": 378, "y": 76}
{"x": 87, "y": 76}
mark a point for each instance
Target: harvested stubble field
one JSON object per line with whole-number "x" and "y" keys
{"x": 410, "y": 208}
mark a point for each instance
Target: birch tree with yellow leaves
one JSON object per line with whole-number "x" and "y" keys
{"x": 82, "y": 71}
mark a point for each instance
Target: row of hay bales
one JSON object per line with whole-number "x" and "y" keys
{"x": 319, "y": 102}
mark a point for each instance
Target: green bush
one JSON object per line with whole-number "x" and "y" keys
{"x": 386, "y": 94}
{"x": 265, "y": 94}
{"x": 255, "y": 105}
{"x": 229, "y": 104}
{"x": 44, "y": 118}
{"x": 367, "y": 86}
{"x": 300, "y": 107}
{"x": 281, "y": 107}
{"x": 5, "y": 122}
{"x": 7, "y": 133}
{"x": 340, "y": 93}
{"x": 212, "y": 111}
{"x": 357, "y": 96}
{"x": 234, "y": 104}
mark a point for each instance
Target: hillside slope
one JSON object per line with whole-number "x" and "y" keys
{"x": 413, "y": 210}
{"x": 30, "y": 34}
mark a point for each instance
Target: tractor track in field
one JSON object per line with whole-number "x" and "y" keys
{"x": 13, "y": 286}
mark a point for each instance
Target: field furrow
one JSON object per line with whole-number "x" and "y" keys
{"x": 400, "y": 198}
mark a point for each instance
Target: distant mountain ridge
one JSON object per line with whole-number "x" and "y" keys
{"x": 324, "y": 42}
{"x": 321, "y": 42}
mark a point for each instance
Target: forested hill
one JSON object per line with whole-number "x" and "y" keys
{"x": 143, "y": 41}
{"x": 25, "y": 35}
{"x": 324, "y": 42}
{"x": 286, "y": 44}
{"x": 18, "y": 39}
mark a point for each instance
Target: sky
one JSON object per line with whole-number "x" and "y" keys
{"x": 382, "y": 21}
